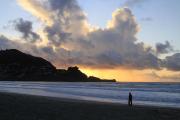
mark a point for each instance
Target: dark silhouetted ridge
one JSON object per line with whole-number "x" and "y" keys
{"x": 18, "y": 57}
{"x": 18, "y": 66}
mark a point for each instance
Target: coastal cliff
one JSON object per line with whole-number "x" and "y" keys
{"x": 18, "y": 66}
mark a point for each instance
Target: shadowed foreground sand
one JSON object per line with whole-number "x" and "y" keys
{"x": 25, "y": 107}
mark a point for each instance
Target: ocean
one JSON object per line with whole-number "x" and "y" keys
{"x": 152, "y": 94}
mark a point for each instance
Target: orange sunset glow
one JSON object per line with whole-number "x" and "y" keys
{"x": 122, "y": 75}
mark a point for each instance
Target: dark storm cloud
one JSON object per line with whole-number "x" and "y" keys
{"x": 64, "y": 4}
{"x": 25, "y": 28}
{"x": 68, "y": 22}
{"x": 132, "y": 61}
{"x": 164, "y": 48}
{"x": 63, "y": 7}
{"x": 56, "y": 35}
{"x": 172, "y": 62}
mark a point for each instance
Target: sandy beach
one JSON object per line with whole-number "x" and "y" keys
{"x": 27, "y": 107}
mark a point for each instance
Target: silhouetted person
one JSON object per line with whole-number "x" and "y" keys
{"x": 130, "y": 99}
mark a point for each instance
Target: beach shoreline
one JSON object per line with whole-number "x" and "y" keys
{"x": 29, "y": 107}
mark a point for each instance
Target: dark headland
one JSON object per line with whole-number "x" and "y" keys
{"x": 18, "y": 66}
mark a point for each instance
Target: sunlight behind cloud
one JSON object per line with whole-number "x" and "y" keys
{"x": 69, "y": 39}
{"x": 35, "y": 9}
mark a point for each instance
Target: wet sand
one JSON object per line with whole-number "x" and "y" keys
{"x": 27, "y": 107}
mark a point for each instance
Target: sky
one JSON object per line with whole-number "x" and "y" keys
{"x": 127, "y": 40}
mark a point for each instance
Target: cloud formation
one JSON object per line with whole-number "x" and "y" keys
{"x": 73, "y": 41}
{"x": 172, "y": 62}
{"x": 164, "y": 48}
{"x": 118, "y": 46}
{"x": 146, "y": 19}
{"x": 133, "y": 3}
{"x": 35, "y": 7}
{"x": 25, "y": 28}
{"x": 64, "y": 20}
{"x": 46, "y": 52}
